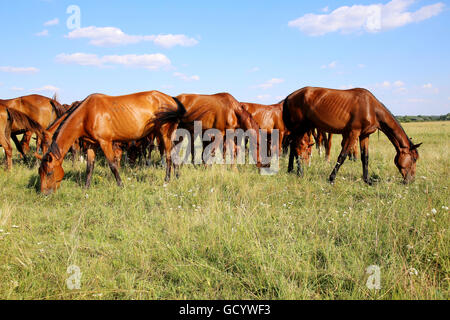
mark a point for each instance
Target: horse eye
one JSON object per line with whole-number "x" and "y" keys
{"x": 50, "y": 174}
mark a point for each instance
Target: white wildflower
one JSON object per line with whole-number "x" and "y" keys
{"x": 413, "y": 272}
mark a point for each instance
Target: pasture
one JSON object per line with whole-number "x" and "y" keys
{"x": 220, "y": 234}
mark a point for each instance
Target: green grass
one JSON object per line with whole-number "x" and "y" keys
{"x": 220, "y": 234}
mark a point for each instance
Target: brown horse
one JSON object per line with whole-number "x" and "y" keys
{"x": 13, "y": 121}
{"x": 106, "y": 120}
{"x": 268, "y": 117}
{"x": 355, "y": 114}
{"x": 219, "y": 111}
{"x": 38, "y": 108}
{"x": 300, "y": 150}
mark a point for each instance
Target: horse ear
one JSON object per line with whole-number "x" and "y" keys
{"x": 416, "y": 146}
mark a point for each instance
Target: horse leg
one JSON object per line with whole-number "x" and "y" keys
{"x": 19, "y": 147}
{"x": 166, "y": 142}
{"x": 107, "y": 148}
{"x": 118, "y": 152}
{"x": 355, "y": 152}
{"x": 364, "y": 145}
{"x": 347, "y": 143}
{"x": 4, "y": 141}
{"x": 291, "y": 157}
{"x": 328, "y": 147}
{"x": 90, "y": 162}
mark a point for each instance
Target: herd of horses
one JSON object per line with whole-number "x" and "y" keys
{"x": 133, "y": 123}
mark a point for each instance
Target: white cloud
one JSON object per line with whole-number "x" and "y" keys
{"x": 361, "y": 65}
{"x": 263, "y": 97}
{"x": 146, "y": 61}
{"x": 17, "y": 89}
{"x": 254, "y": 69}
{"x": 398, "y": 84}
{"x": 346, "y": 87}
{"x": 46, "y": 88}
{"x": 370, "y": 18}
{"x": 270, "y": 83}
{"x": 52, "y": 22}
{"x": 384, "y": 84}
{"x": 331, "y": 65}
{"x": 186, "y": 78}
{"x": 429, "y": 87}
{"x": 172, "y": 40}
{"x": 326, "y": 9}
{"x": 43, "y": 33}
{"x": 111, "y": 36}
{"x": 18, "y": 69}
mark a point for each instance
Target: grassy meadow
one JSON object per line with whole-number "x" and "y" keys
{"x": 220, "y": 234}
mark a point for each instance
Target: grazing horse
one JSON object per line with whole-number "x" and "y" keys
{"x": 38, "y": 108}
{"x": 268, "y": 117}
{"x": 11, "y": 122}
{"x": 219, "y": 111}
{"x": 300, "y": 150}
{"x": 106, "y": 120}
{"x": 355, "y": 114}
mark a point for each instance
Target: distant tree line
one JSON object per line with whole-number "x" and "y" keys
{"x": 445, "y": 117}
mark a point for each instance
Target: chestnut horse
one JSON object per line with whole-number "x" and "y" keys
{"x": 11, "y": 122}
{"x": 300, "y": 150}
{"x": 218, "y": 111}
{"x": 355, "y": 114}
{"x": 105, "y": 120}
{"x": 268, "y": 117}
{"x": 38, "y": 108}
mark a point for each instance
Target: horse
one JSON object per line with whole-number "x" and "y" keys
{"x": 356, "y": 114}
{"x": 268, "y": 117}
{"x": 138, "y": 151}
{"x": 105, "y": 120}
{"x": 12, "y": 122}
{"x": 38, "y": 108}
{"x": 300, "y": 150}
{"x": 219, "y": 111}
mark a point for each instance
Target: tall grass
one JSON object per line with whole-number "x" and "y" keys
{"x": 220, "y": 234}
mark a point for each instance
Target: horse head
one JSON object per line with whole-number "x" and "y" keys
{"x": 51, "y": 173}
{"x": 405, "y": 160}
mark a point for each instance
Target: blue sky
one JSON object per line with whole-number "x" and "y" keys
{"x": 259, "y": 51}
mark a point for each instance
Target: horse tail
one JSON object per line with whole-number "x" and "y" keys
{"x": 168, "y": 115}
{"x": 57, "y": 107}
{"x": 286, "y": 118}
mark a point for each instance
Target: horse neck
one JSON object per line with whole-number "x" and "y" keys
{"x": 393, "y": 130}
{"x": 69, "y": 131}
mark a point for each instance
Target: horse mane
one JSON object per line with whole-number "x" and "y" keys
{"x": 411, "y": 144}
{"x": 25, "y": 122}
{"x": 54, "y": 148}
{"x": 69, "y": 110}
